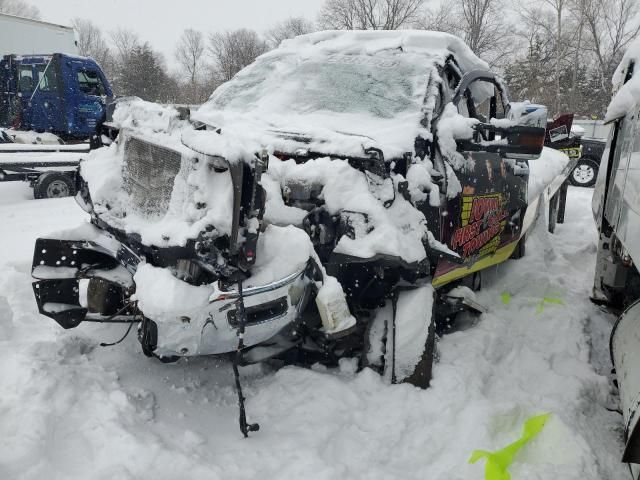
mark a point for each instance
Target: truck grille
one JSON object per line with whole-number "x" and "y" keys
{"x": 149, "y": 175}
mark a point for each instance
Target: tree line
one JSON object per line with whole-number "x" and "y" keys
{"x": 205, "y": 60}
{"x": 561, "y": 53}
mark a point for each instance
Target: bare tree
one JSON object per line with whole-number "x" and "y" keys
{"x": 189, "y": 52}
{"x": 440, "y": 19}
{"x": 560, "y": 23}
{"x": 21, "y": 8}
{"x": 234, "y": 50}
{"x": 369, "y": 14}
{"x": 124, "y": 41}
{"x": 91, "y": 43}
{"x": 289, "y": 28}
{"x": 481, "y": 23}
{"x": 612, "y": 25}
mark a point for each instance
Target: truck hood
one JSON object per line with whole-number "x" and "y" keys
{"x": 320, "y": 132}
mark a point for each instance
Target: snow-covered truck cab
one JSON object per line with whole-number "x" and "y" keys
{"x": 308, "y": 209}
{"x": 616, "y": 209}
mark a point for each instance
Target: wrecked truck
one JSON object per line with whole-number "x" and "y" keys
{"x": 327, "y": 202}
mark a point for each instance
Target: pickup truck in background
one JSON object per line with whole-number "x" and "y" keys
{"x": 586, "y": 171}
{"x": 587, "y": 152}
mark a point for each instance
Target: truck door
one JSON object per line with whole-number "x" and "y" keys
{"x": 38, "y": 89}
{"x": 89, "y": 93}
{"x": 46, "y": 104}
{"x": 484, "y": 219}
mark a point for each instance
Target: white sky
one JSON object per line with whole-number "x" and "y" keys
{"x": 160, "y": 22}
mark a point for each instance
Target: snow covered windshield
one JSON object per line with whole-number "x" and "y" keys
{"x": 341, "y": 91}
{"x": 383, "y": 85}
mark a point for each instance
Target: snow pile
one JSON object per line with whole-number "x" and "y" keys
{"x": 626, "y": 95}
{"x": 135, "y": 114}
{"x": 72, "y": 410}
{"x": 544, "y": 169}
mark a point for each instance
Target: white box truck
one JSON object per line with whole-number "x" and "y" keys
{"x": 25, "y": 36}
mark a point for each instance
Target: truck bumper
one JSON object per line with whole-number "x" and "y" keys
{"x": 93, "y": 280}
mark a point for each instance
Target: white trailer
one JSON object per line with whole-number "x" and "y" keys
{"x": 23, "y": 36}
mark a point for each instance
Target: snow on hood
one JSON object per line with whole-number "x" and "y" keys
{"x": 196, "y": 183}
{"x": 626, "y": 95}
{"x": 338, "y": 92}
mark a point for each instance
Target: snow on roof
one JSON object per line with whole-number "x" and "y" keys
{"x": 18, "y": 19}
{"x": 626, "y": 95}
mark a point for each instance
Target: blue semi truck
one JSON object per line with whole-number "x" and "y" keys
{"x": 60, "y": 94}
{"x": 52, "y": 105}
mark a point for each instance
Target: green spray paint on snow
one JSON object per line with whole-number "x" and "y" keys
{"x": 498, "y": 462}
{"x": 506, "y": 298}
{"x": 548, "y": 301}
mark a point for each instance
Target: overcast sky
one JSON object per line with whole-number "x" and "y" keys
{"x": 161, "y": 22}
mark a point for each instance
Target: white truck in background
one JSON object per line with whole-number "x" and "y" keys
{"x": 25, "y": 36}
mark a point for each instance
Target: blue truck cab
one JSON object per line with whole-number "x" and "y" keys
{"x": 62, "y": 94}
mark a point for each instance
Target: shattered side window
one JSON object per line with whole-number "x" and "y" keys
{"x": 90, "y": 83}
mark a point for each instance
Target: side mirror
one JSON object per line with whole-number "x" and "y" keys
{"x": 520, "y": 135}
{"x": 517, "y": 141}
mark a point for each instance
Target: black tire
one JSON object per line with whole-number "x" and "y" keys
{"x": 585, "y": 173}
{"x": 54, "y": 185}
{"x": 553, "y": 212}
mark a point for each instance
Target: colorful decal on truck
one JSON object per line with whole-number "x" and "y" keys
{"x": 483, "y": 221}
{"x": 572, "y": 152}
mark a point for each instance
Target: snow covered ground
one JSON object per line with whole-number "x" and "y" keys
{"x": 71, "y": 409}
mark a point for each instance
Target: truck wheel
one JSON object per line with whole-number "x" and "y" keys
{"x": 585, "y": 173}
{"x": 54, "y": 185}
{"x": 553, "y": 212}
